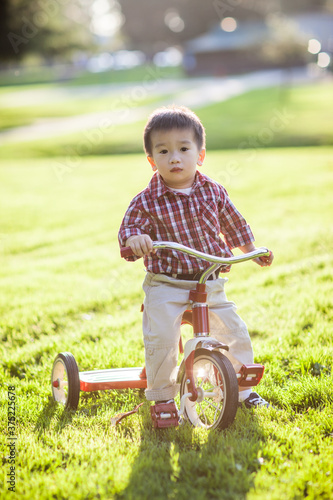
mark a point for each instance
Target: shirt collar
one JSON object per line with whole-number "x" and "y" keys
{"x": 158, "y": 188}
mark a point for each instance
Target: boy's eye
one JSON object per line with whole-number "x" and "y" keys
{"x": 164, "y": 151}
{"x": 184, "y": 148}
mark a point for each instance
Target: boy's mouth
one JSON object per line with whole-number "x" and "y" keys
{"x": 176, "y": 169}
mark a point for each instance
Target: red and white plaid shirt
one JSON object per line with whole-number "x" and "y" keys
{"x": 196, "y": 221}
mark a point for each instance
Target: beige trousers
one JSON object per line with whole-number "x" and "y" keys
{"x": 166, "y": 299}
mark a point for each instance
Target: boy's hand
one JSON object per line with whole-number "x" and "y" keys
{"x": 140, "y": 244}
{"x": 265, "y": 261}
{"x": 261, "y": 261}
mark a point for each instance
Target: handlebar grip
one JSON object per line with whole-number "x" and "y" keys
{"x": 126, "y": 252}
{"x": 264, "y": 258}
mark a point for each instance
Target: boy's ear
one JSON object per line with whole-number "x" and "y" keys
{"x": 152, "y": 163}
{"x": 201, "y": 158}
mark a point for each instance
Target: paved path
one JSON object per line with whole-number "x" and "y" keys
{"x": 194, "y": 93}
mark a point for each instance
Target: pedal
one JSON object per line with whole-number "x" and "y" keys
{"x": 164, "y": 415}
{"x": 250, "y": 375}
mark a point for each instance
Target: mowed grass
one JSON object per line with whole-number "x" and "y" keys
{"x": 282, "y": 116}
{"x": 68, "y": 76}
{"x": 64, "y": 287}
{"x": 75, "y": 95}
{"x": 31, "y": 113}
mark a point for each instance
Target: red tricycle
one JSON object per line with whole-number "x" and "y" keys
{"x": 208, "y": 382}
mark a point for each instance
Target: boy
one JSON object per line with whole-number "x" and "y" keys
{"x": 182, "y": 205}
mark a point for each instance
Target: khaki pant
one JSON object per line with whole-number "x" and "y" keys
{"x": 166, "y": 299}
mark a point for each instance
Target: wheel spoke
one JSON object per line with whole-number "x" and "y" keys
{"x": 211, "y": 404}
{"x": 203, "y": 413}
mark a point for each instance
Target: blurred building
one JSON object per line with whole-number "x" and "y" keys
{"x": 279, "y": 41}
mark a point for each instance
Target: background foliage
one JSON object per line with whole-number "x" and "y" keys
{"x": 57, "y": 29}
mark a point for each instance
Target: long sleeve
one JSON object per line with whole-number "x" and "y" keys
{"x": 234, "y": 227}
{"x": 135, "y": 222}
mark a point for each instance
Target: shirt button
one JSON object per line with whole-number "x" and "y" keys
{"x": 195, "y": 218}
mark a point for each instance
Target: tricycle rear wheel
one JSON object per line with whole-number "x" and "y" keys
{"x": 65, "y": 381}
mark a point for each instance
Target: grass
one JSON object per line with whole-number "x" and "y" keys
{"x": 47, "y": 75}
{"x": 280, "y": 116}
{"x": 273, "y": 117}
{"x": 27, "y": 103}
{"x": 70, "y": 106}
{"x": 64, "y": 287}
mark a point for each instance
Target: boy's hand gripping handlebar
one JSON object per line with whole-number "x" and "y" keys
{"x": 223, "y": 261}
{"x": 216, "y": 262}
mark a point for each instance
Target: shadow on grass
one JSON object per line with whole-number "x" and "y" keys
{"x": 47, "y": 414}
{"x": 89, "y": 406}
{"x": 45, "y": 417}
{"x": 182, "y": 463}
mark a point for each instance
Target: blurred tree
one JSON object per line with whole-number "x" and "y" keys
{"x": 53, "y": 28}
{"x": 49, "y": 28}
{"x": 4, "y": 29}
{"x": 287, "y": 46}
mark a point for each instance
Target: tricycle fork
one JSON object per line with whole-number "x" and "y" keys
{"x": 201, "y": 331}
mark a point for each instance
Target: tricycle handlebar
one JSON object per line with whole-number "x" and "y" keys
{"x": 223, "y": 261}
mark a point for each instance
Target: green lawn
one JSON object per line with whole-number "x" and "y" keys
{"x": 65, "y": 287}
{"x": 25, "y": 76}
{"x": 274, "y": 117}
{"x": 299, "y": 115}
{"x": 76, "y": 96}
{"x": 71, "y": 99}
{"x": 30, "y": 113}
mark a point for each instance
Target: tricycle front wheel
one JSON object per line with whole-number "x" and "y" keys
{"x": 217, "y": 386}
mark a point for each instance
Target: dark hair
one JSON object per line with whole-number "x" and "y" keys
{"x": 168, "y": 118}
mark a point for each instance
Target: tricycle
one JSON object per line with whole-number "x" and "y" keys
{"x": 208, "y": 382}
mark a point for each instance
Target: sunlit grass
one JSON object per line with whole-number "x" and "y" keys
{"x": 274, "y": 117}
{"x": 64, "y": 287}
{"x": 26, "y": 76}
{"x": 71, "y": 106}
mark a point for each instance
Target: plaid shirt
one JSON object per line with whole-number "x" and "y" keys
{"x": 196, "y": 221}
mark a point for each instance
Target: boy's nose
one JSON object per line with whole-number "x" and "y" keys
{"x": 174, "y": 158}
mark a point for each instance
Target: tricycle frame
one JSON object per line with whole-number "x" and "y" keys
{"x": 67, "y": 381}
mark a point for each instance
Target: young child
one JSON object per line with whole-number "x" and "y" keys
{"x": 182, "y": 205}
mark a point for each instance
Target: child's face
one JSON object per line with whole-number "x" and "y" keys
{"x": 175, "y": 155}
